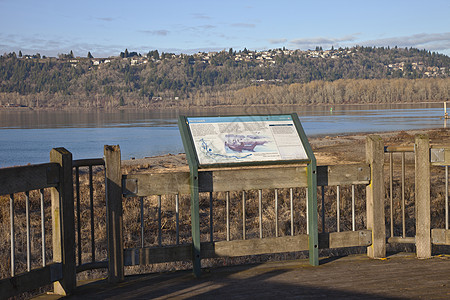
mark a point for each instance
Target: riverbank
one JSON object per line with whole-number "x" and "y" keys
{"x": 329, "y": 150}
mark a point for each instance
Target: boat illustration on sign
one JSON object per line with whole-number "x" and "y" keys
{"x": 239, "y": 143}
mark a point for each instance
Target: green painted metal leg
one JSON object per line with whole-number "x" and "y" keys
{"x": 195, "y": 224}
{"x": 312, "y": 214}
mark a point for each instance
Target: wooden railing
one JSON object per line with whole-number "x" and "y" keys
{"x": 56, "y": 176}
{"x": 88, "y": 165}
{"x": 225, "y": 181}
{"x": 219, "y": 185}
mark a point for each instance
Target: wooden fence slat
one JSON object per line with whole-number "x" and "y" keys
{"x": 114, "y": 213}
{"x": 63, "y": 222}
{"x": 142, "y": 185}
{"x": 375, "y": 197}
{"x": 422, "y": 196}
{"x": 440, "y": 236}
{"x": 345, "y": 239}
{"x": 235, "y": 248}
{"x": 27, "y": 178}
{"x": 34, "y": 279}
{"x": 151, "y": 255}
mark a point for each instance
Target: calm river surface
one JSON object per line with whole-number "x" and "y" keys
{"x": 27, "y": 136}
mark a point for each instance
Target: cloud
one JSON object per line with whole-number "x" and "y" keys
{"x": 161, "y": 32}
{"x": 429, "y": 41}
{"x": 106, "y": 19}
{"x": 309, "y": 43}
{"x": 196, "y": 29}
{"x": 439, "y": 42}
{"x": 243, "y": 25}
{"x": 207, "y": 26}
{"x": 277, "y": 41}
{"x": 200, "y": 16}
{"x": 53, "y": 46}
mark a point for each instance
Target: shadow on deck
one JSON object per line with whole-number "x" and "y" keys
{"x": 400, "y": 276}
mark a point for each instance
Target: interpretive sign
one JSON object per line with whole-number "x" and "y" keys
{"x": 243, "y": 141}
{"x": 246, "y": 139}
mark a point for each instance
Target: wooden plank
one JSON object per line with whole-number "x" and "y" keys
{"x": 142, "y": 185}
{"x": 255, "y": 246}
{"x": 27, "y": 178}
{"x": 88, "y": 162}
{"x": 63, "y": 222}
{"x": 92, "y": 266}
{"x": 348, "y": 174}
{"x": 151, "y": 255}
{"x": 114, "y": 221}
{"x": 214, "y": 181}
{"x": 440, "y": 236}
{"x": 216, "y": 249}
{"x": 257, "y": 178}
{"x": 399, "y": 149}
{"x": 402, "y": 240}
{"x": 422, "y": 196}
{"x": 345, "y": 239}
{"x": 34, "y": 279}
{"x": 375, "y": 197}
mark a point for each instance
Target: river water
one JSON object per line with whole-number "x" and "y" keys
{"x": 27, "y": 136}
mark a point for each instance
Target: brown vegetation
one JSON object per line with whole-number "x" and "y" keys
{"x": 343, "y": 91}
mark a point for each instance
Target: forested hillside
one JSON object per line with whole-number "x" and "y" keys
{"x": 280, "y": 76}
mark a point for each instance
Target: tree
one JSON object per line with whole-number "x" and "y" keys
{"x": 20, "y": 53}
{"x": 153, "y": 54}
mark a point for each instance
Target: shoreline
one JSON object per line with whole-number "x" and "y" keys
{"x": 329, "y": 150}
{"x": 213, "y": 107}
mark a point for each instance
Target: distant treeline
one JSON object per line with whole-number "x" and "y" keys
{"x": 351, "y": 75}
{"x": 343, "y": 91}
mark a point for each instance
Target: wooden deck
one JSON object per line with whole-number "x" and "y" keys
{"x": 401, "y": 276}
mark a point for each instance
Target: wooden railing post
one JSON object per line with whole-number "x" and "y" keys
{"x": 114, "y": 213}
{"x": 63, "y": 222}
{"x": 422, "y": 190}
{"x": 375, "y": 196}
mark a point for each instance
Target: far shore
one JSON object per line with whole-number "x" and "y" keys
{"x": 246, "y": 108}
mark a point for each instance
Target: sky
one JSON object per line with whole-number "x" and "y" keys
{"x": 106, "y": 28}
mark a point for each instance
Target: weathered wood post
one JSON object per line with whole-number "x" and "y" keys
{"x": 114, "y": 217}
{"x": 422, "y": 190}
{"x": 63, "y": 222}
{"x": 375, "y": 196}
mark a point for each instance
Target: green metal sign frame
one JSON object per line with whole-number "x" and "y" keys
{"x": 194, "y": 166}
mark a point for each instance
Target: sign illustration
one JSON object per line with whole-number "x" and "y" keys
{"x": 236, "y": 139}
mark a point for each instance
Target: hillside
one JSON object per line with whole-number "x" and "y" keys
{"x": 350, "y": 75}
